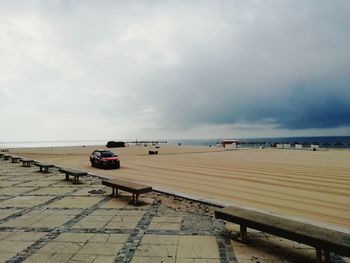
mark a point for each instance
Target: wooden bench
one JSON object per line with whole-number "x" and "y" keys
{"x": 44, "y": 166}
{"x": 72, "y": 172}
{"x": 322, "y": 239}
{"x": 27, "y": 162}
{"x": 152, "y": 152}
{"x": 134, "y": 188}
{"x": 7, "y": 157}
{"x": 15, "y": 159}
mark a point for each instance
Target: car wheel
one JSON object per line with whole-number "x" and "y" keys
{"x": 117, "y": 166}
{"x": 92, "y": 164}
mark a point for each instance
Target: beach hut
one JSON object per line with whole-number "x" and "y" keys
{"x": 298, "y": 146}
{"x": 231, "y": 143}
{"x": 287, "y": 146}
{"x": 314, "y": 146}
{"x": 279, "y": 146}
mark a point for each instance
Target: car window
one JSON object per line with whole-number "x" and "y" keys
{"x": 107, "y": 154}
{"x": 98, "y": 154}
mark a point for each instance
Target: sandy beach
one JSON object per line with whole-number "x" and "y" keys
{"x": 295, "y": 183}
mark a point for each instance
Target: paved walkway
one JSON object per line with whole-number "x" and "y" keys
{"x": 44, "y": 218}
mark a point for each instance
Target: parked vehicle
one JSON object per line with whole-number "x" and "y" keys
{"x": 104, "y": 159}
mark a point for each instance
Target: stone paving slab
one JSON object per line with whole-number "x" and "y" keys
{"x": 7, "y": 212}
{"x": 51, "y": 191}
{"x": 44, "y": 218}
{"x": 75, "y": 202}
{"x": 14, "y": 190}
{"x": 35, "y": 183}
{"x": 25, "y": 201}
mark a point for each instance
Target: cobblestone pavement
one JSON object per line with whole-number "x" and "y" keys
{"x": 44, "y": 218}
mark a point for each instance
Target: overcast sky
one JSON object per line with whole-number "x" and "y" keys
{"x": 173, "y": 69}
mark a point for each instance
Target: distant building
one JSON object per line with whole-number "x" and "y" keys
{"x": 113, "y": 144}
{"x": 231, "y": 143}
{"x": 298, "y": 146}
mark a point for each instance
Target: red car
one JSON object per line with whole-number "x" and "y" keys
{"x": 104, "y": 159}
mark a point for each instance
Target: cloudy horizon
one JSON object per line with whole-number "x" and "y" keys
{"x": 91, "y": 70}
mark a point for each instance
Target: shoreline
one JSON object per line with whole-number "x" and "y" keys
{"x": 325, "y": 142}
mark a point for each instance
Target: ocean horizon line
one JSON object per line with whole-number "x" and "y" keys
{"x": 323, "y": 141}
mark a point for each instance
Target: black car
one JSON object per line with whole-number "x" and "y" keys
{"x": 104, "y": 159}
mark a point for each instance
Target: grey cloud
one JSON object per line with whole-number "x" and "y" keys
{"x": 252, "y": 75}
{"x": 177, "y": 65}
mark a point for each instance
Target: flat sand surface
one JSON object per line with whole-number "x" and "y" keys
{"x": 295, "y": 183}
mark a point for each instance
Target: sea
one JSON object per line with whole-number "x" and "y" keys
{"x": 323, "y": 142}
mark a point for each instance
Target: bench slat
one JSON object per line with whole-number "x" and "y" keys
{"x": 312, "y": 235}
{"x": 7, "y": 156}
{"x": 134, "y": 188}
{"x": 43, "y": 165}
{"x": 71, "y": 171}
{"x": 128, "y": 186}
{"x": 27, "y": 160}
